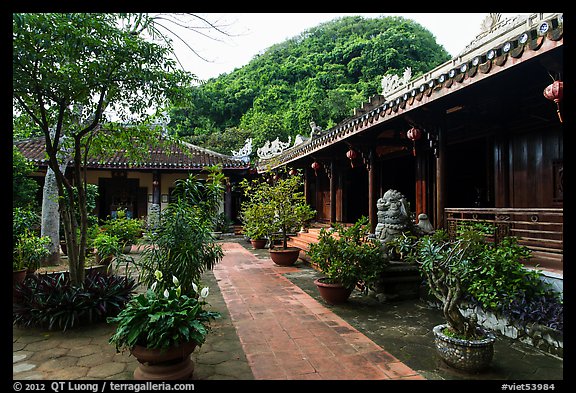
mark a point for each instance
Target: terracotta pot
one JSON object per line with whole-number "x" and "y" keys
{"x": 283, "y": 257}
{"x": 103, "y": 261}
{"x": 332, "y": 293}
{"x": 18, "y": 276}
{"x": 467, "y": 355}
{"x": 258, "y": 243}
{"x": 171, "y": 364}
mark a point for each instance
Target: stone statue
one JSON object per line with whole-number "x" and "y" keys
{"x": 394, "y": 218}
{"x": 315, "y": 130}
{"x": 400, "y": 279}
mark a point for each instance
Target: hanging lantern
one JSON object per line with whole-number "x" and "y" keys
{"x": 414, "y": 134}
{"x": 351, "y": 154}
{"x": 315, "y": 165}
{"x": 292, "y": 172}
{"x": 554, "y": 92}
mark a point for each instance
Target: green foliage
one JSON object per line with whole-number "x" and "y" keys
{"x": 181, "y": 246}
{"x": 346, "y": 255}
{"x": 30, "y": 250}
{"x": 69, "y": 70}
{"x": 203, "y": 196}
{"x": 23, "y": 220}
{"x": 274, "y": 204}
{"x": 107, "y": 245}
{"x": 24, "y": 188}
{"x": 162, "y": 318}
{"x": 52, "y": 301}
{"x": 501, "y": 275}
{"x": 126, "y": 230}
{"x": 322, "y": 75}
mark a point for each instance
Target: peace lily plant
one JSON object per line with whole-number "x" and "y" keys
{"x": 163, "y": 317}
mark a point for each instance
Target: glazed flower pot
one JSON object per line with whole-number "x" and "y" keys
{"x": 466, "y": 355}
{"x": 171, "y": 364}
{"x": 283, "y": 257}
{"x": 332, "y": 293}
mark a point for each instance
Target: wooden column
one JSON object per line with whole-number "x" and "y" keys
{"x": 372, "y": 191}
{"x": 421, "y": 184}
{"x": 332, "y": 175}
{"x": 439, "y": 219}
{"x": 228, "y": 200}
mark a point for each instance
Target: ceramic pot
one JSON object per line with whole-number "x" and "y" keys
{"x": 171, "y": 364}
{"x": 332, "y": 293}
{"x": 283, "y": 257}
{"x": 467, "y": 355}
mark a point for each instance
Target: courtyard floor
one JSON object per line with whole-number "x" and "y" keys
{"x": 274, "y": 326}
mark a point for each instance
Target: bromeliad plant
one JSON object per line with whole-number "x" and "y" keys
{"x": 163, "y": 318}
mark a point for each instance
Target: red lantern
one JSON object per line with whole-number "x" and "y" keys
{"x": 351, "y": 154}
{"x": 414, "y": 134}
{"x": 292, "y": 172}
{"x": 315, "y": 165}
{"x": 554, "y": 92}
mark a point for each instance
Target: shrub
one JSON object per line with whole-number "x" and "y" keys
{"x": 53, "y": 302}
{"x": 127, "y": 230}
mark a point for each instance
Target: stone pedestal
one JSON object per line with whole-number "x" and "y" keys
{"x": 399, "y": 281}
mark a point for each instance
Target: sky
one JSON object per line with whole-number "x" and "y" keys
{"x": 249, "y": 34}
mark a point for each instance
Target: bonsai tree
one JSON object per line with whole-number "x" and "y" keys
{"x": 276, "y": 204}
{"x": 446, "y": 263}
{"x": 347, "y": 256}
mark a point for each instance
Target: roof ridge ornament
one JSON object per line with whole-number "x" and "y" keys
{"x": 393, "y": 82}
{"x": 244, "y": 153}
{"x": 270, "y": 150}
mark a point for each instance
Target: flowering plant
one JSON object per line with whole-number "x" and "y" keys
{"x": 161, "y": 319}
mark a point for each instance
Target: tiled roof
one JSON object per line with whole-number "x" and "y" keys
{"x": 176, "y": 157}
{"x": 511, "y": 40}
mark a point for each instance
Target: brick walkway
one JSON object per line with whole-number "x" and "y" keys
{"x": 286, "y": 334}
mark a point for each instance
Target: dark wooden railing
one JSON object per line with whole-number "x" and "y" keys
{"x": 539, "y": 229}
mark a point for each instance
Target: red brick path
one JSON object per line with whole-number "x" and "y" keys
{"x": 286, "y": 334}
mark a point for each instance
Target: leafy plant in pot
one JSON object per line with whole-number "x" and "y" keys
{"x": 162, "y": 327}
{"x": 446, "y": 263}
{"x": 107, "y": 248}
{"x": 347, "y": 257}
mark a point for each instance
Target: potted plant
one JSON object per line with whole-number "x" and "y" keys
{"x": 446, "y": 263}
{"x": 29, "y": 251}
{"x": 107, "y": 247}
{"x": 280, "y": 206}
{"x": 346, "y": 256}
{"x": 127, "y": 230}
{"x": 162, "y": 327}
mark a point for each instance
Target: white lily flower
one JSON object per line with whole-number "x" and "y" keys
{"x": 158, "y": 275}
{"x": 205, "y": 292}
{"x": 153, "y": 287}
{"x": 178, "y": 291}
{"x": 166, "y": 293}
{"x": 195, "y": 287}
{"x": 175, "y": 281}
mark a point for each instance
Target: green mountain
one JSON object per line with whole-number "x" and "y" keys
{"x": 320, "y": 75}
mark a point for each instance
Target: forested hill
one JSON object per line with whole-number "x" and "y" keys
{"x": 321, "y": 75}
